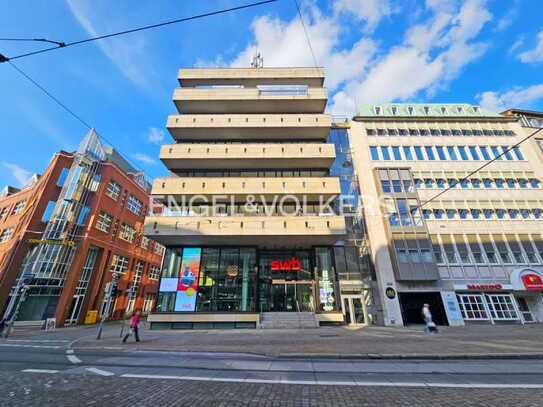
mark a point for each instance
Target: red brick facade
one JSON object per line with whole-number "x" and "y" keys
{"x": 28, "y": 224}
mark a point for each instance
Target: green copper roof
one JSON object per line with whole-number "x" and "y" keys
{"x": 424, "y": 110}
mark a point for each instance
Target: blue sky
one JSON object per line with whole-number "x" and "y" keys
{"x": 474, "y": 51}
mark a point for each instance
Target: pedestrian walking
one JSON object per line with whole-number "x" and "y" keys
{"x": 134, "y": 326}
{"x": 427, "y": 316}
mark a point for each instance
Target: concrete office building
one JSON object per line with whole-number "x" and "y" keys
{"x": 475, "y": 252}
{"x": 68, "y": 230}
{"x": 249, "y": 238}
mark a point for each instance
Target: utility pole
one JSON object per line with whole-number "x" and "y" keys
{"x": 110, "y": 292}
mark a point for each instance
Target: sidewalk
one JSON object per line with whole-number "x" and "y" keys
{"x": 502, "y": 341}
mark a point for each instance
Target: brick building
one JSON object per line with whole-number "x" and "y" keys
{"x": 69, "y": 230}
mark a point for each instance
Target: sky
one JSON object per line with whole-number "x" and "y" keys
{"x": 485, "y": 52}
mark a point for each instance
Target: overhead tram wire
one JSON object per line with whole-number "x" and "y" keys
{"x": 4, "y": 58}
{"x": 70, "y": 111}
{"x": 481, "y": 167}
{"x": 308, "y": 39}
{"x": 56, "y": 100}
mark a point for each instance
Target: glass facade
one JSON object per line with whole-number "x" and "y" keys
{"x": 245, "y": 279}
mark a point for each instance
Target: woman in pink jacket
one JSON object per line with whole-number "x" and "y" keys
{"x": 134, "y": 324}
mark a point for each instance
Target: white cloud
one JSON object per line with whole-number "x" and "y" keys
{"x": 144, "y": 158}
{"x": 370, "y": 11}
{"x": 433, "y": 53}
{"x": 515, "y": 98}
{"x": 128, "y": 56}
{"x": 155, "y": 135}
{"x": 519, "y": 42}
{"x": 535, "y": 55}
{"x": 507, "y": 19}
{"x": 18, "y": 173}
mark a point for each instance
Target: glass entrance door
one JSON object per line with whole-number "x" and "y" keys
{"x": 292, "y": 297}
{"x": 354, "y": 310}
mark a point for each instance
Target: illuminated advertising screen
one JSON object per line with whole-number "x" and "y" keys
{"x": 187, "y": 283}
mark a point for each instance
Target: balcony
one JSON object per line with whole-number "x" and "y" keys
{"x": 312, "y": 188}
{"x": 278, "y": 231}
{"x": 249, "y": 100}
{"x": 236, "y": 156}
{"x": 249, "y": 126}
{"x": 251, "y": 77}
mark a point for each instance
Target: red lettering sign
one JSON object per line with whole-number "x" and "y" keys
{"x": 286, "y": 265}
{"x": 485, "y": 286}
{"x": 532, "y": 282}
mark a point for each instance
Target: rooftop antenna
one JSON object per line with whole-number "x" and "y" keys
{"x": 258, "y": 61}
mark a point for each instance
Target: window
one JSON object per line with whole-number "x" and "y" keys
{"x": 428, "y": 183}
{"x": 476, "y": 109}
{"x": 507, "y": 153}
{"x": 413, "y": 132}
{"x": 396, "y": 153}
{"x": 381, "y": 132}
{"x": 456, "y": 132}
{"x": 430, "y": 153}
{"x": 154, "y": 272}
{"x": 119, "y": 264}
{"x": 500, "y": 213}
{"x": 502, "y": 249}
{"x": 392, "y": 132}
{"x": 460, "y": 109}
{"x": 103, "y": 222}
{"x": 134, "y": 205}
{"x": 501, "y": 307}
{"x": 4, "y": 213}
{"x": 441, "y": 153}
{"x": 410, "y": 110}
{"x": 452, "y": 153}
{"x": 463, "y": 213}
{"x": 407, "y": 153}
{"x": 518, "y": 153}
{"x": 145, "y": 242}
{"x": 377, "y": 110}
{"x": 18, "y": 208}
{"x": 489, "y": 249}
{"x": 444, "y": 110}
{"x": 476, "y": 183}
{"x": 510, "y": 183}
{"x": 385, "y": 153}
{"x": 426, "y": 110}
{"x": 472, "y": 307}
{"x": 6, "y": 235}
{"x": 514, "y": 246}
{"x": 370, "y": 132}
{"x": 394, "y": 110}
{"x": 403, "y": 132}
{"x": 452, "y": 182}
{"x": 475, "y": 213}
{"x": 475, "y": 249}
{"x": 434, "y": 132}
{"x": 445, "y": 132}
{"x": 474, "y": 153}
{"x": 528, "y": 249}
{"x": 418, "y": 153}
{"x": 128, "y": 233}
{"x": 463, "y": 153}
{"x": 448, "y": 248}
{"x": 464, "y": 183}
{"x": 484, "y": 152}
{"x": 440, "y": 183}
{"x": 48, "y": 211}
{"x": 534, "y": 183}
{"x": 466, "y": 132}
{"x": 113, "y": 190}
{"x": 451, "y": 213}
{"x": 499, "y": 182}
{"x": 462, "y": 248}
{"x": 522, "y": 183}
{"x": 424, "y": 132}
{"x": 374, "y": 153}
{"x": 62, "y": 177}
{"x": 496, "y": 152}
{"x": 487, "y": 182}
{"x": 437, "y": 249}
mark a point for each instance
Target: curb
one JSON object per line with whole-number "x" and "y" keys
{"x": 343, "y": 356}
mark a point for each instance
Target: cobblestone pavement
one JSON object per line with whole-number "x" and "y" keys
{"x": 33, "y": 389}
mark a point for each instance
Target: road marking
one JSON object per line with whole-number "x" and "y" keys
{"x": 69, "y": 351}
{"x": 40, "y": 371}
{"x": 99, "y": 371}
{"x": 341, "y": 383}
{"x": 20, "y": 345}
{"x": 37, "y": 340}
{"x": 73, "y": 359}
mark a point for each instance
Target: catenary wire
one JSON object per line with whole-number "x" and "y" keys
{"x": 308, "y": 39}
{"x": 506, "y": 151}
{"x": 133, "y": 30}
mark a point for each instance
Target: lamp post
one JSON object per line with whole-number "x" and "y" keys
{"x": 110, "y": 292}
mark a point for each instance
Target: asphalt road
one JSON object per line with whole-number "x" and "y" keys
{"x": 54, "y": 372}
